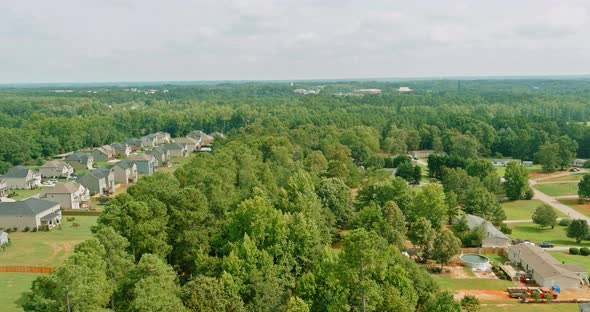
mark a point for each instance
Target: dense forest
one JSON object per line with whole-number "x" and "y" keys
{"x": 293, "y": 210}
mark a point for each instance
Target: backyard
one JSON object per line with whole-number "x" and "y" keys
{"x": 449, "y": 283}
{"x": 177, "y": 163}
{"x": 22, "y": 194}
{"x": 567, "y": 178}
{"x": 13, "y": 285}
{"x": 523, "y": 209}
{"x": 565, "y": 257}
{"x": 47, "y": 248}
{"x": 531, "y": 170}
{"x": 536, "y": 234}
{"x": 558, "y": 189}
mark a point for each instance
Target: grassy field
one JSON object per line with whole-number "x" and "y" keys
{"x": 449, "y": 283}
{"x": 523, "y": 209}
{"x": 558, "y": 189}
{"x": 22, "y": 194}
{"x": 571, "y": 177}
{"x": 46, "y": 248}
{"x": 531, "y": 170}
{"x": 573, "y": 203}
{"x": 536, "y": 234}
{"x": 177, "y": 163}
{"x": 564, "y": 256}
{"x": 13, "y": 285}
{"x": 515, "y": 306}
{"x": 496, "y": 258}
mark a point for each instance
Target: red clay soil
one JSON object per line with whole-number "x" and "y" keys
{"x": 501, "y": 295}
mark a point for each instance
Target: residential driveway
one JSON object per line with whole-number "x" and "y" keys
{"x": 551, "y": 201}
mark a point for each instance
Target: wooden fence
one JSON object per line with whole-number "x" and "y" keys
{"x": 26, "y": 269}
{"x": 73, "y": 212}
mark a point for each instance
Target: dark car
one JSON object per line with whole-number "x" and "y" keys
{"x": 545, "y": 245}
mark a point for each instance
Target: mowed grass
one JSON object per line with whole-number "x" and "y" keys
{"x": 47, "y": 248}
{"x": 516, "y": 306}
{"x": 573, "y": 203}
{"x": 177, "y": 163}
{"x": 448, "y": 283}
{"x": 22, "y": 194}
{"x": 536, "y": 234}
{"x": 565, "y": 257}
{"x": 13, "y": 285}
{"x": 571, "y": 177}
{"x": 501, "y": 170}
{"x": 558, "y": 189}
{"x": 523, "y": 209}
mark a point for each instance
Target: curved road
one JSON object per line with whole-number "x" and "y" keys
{"x": 551, "y": 201}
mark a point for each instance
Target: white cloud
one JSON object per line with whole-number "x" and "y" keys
{"x": 114, "y": 40}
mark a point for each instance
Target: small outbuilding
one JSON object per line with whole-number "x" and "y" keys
{"x": 492, "y": 237}
{"x": 3, "y": 238}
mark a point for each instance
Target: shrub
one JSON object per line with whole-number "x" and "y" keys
{"x": 15, "y": 229}
{"x": 574, "y": 251}
{"x": 585, "y": 251}
{"x": 565, "y": 222}
{"x": 70, "y": 219}
{"x": 529, "y": 194}
{"x": 505, "y": 229}
{"x": 34, "y": 230}
{"x": 27, "y": 228}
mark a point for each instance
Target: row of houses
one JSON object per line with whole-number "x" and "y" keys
{"x": 31, "y": 213}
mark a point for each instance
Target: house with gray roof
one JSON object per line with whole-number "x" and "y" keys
{"x": 103, "y": 153}
{"x": 545, "y": 269}
{"x": 148, "y": 141}
{"x": 56, "y": 169}
{"x": 492, "y": 237}
{"x": 121, "y": 149}
{"x": 177, "y": 150}
{"x": 162, "y": 137}
{"x": 31, "y": 212}
{"x": 99, "y": 181}
{"x": 162, "y": 156}
{"x": 3, "y": 238}
{"x": 135, "y": 144}
{"x": 69, "y": 195}
{"x": 190, "y": 144}
{"x": 125, "y": 172}
{"x": 21, "y": 177}
{"x": 202, "y": 137}
{"x": 146, "y": 164}
{"x": 80, "y": 161}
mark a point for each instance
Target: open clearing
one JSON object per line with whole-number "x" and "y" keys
{"x": 536, "y": 234}
{"x": 13, "y": 285}
{"x": 565, "y": 257}
{"x": 22, "y": 194}
{"x": 573, "y": 203}
{"x": 572, "y": 177}
{"x": 47, "y": 248}
{"x": 519, "y": 307}
{"x": 558, "y": 189}
{"x": 523, "y": 209}
{"x": 177, "y": 163}
{"x": 449, "y": 283}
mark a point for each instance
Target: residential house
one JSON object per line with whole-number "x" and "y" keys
{"x": 492, "y": 237}
{"x": 502, "y": 162}
{"x": 545, "y": 269}
{"x": 56, "y": 169}
{"x": 125, "y": 172}
{"x": 121, "y": 149}
{"x": 366, "y": 91}
{"x": 162, "y": 156}
{"x": 99, "y": 181}
{"x": 31, "y": 212}
{"x": 3, "y": 238}
{"x": 421, "y": 153}
{"x": 162, "y": 137}
{"x": 190, "y": 144}
{"x": 404, "y": 89}
{"x": 146, "y": 164}
{"x": 3, "y": 189}
{"x": 579, "y": 162}
{"x": 80, "y": 161}
{"x": 202, "y": 137}
{"x": 148, "y": 141}
{"x": 176, "y": 149}
{"x": 69, "y": 195}
{"x": 21, "y": 177}
{"x": 527, "y": 163}
{"x": 103, "y": 153}
{"x": 135, "y": 144}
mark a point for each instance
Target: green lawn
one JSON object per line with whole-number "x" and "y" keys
{"x": 46, "y": 248}
{"x": 502, "y": 170}
{"x": 177, "y": 163}
{"x": 573, "y": 203}
{"x": 536, "y": 234}
{"x": 22, "y": 194}
{"x": 571, "y": 177}
{"x": 564, "y": 256}
{"x": 516, "y": 306}
{"x": 448, "y": 283}
{"x": 496, "y": 258}
{"x": 13, "y": 285}
{"x": 558, "y": 189}
{"x": 523, "y": 209}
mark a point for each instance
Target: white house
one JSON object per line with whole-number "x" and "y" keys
{"x": 31, "y": 212}
{"x": 502, "y": 162}
{"x": 21, "y": 177}
{"x": 68, "y": 195}
{"x": 579, "y": 162}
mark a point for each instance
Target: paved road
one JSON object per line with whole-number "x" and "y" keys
{"x": 571, "y": 213}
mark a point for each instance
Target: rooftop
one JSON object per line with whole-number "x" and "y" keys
{"x": 30, "y": 206}
{"x": 63, "y": 188}
{"x": 542, "y": 262}
{"x": 17, "y": 172}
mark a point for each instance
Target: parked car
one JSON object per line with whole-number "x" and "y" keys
{"x": 545, "y": 245}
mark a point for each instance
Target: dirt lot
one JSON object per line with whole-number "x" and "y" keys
{"x": 500, "y": 295}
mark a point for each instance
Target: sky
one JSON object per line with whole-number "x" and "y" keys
{"x": 173, "y": 40}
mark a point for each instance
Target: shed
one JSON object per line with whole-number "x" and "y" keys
{"x": 3, "y": 238}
